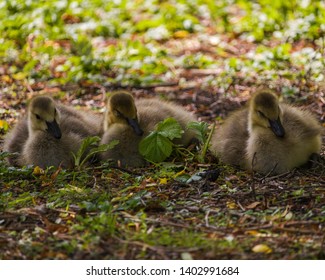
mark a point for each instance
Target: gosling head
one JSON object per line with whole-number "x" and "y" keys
{"x": 43, "y": 116}
{"x": 265, "y": 112}
{"x": 121, "y": 108}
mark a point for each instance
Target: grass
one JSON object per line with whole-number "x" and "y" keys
{"x": 206, "y": 55}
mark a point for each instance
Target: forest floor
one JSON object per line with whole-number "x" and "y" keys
{"x": 178, "y": 209}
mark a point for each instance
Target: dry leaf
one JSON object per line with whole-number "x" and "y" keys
{"x": 19, "y": 76}
{"x": 253, "y": 232}
{"x": 288, "y": 216}
{"x": 262, "y": 248}
{"x": 231, "y": 205}
{"x": 253, "y": 205}
{"x": 163, "y": 181}
{"x": 186, "y": 256}
{"x": 181, "y": 34}
{"x": 6, "y": 79}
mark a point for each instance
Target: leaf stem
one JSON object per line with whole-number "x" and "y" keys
{"x": 207, "y": 143}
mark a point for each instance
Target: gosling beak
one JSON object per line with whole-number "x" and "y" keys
{"x": 54, "y": 129}
{"x": 135, "y": 125}
{"x": 277, "y": 127}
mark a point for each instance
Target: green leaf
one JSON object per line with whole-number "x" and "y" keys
{"x": 200, "y": 129}
{"x": 170, "y": 128}
{"x": 155, "y": 147}
{"x": 203, "y": 134}
{"x": 100, "y": 149}
{"x": 89, "y": 148}
{"x": 86, "y": 143}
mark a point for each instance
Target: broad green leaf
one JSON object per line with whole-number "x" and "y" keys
{"x": 170, "y": 128}
{"x": 155, "y": 147}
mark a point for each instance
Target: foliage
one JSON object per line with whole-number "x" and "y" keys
{"x": 89, "y": 149}
{"x": 208, "y": 55}
{"x": 122, "y": 42}
{"x": 158, "y": 145}
{"x": 203, "y": 135}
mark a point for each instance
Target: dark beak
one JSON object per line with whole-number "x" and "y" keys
{"x": 54, "y": 129}
{"x": 135, "y": 125}
{"x": 277, "y": 127}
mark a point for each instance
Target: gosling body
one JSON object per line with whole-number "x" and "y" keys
{"x": 228, "y": 141}
{"x": 34, "y": 143}
{"x": 43, "y": 150}
{"x": 268, "y": 153}
{"x": 15, "y": 140}
{"x": 267, "y": 137}
{"x": 136, "y": 121}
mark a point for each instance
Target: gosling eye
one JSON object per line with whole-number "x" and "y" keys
{"x": 37, "y": 116}
{"x": 118, "y": 114}
{"x": 261, "y": 114}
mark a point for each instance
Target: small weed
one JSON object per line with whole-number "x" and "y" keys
{"x": 89, "y": 149}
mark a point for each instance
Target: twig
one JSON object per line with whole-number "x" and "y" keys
{"x": 253, "y": 190}
{"x": 294, "y": 223}
{"x": 125, "y": 170}
{"x": 276, "y": 176}
{"x": 269, "y": 226}
{"x": 302, "y": 231}
{"x": 270, "y": 172}
{"x": 322, "y": 247}
{"x": 241, "y": 206}
{"x": 206, "y": 218}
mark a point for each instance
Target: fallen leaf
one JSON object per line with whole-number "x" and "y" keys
{"x": 6, "y": 79}
{"x": 56, "y": 173}
{"x": 253, "y": 205}
{"x": 163, "y": 181}
{"x": 4, "y": 125}
{"x": 253, "y": 232}
{"x": 262, "y": 248}
{"x": 38, "y": 171}
{"x": 19, "y": 76}
{"x": 231, "y": 205}
{"x": 286, "y": 211}
{"x": 179, "y": 173}
{"x": 288, "y": 216}
{"x": 181, "y": 34}
{"x": 186, "y": 256}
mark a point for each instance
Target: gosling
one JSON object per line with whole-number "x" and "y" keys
{"x": 129, "y": 121}
{"x": 42, "y": 129}
{"x": 268, "y": 137}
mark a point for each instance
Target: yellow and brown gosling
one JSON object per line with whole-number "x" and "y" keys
{"x": 268, "y": 137}
{"x": 128, "y": 121}
{"x": 49, "y": 134}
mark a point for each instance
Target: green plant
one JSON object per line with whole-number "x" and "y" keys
{"x": 89, "y": 148}
{"x": 203, "y": 134}
{"x": 158, "y": 145}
